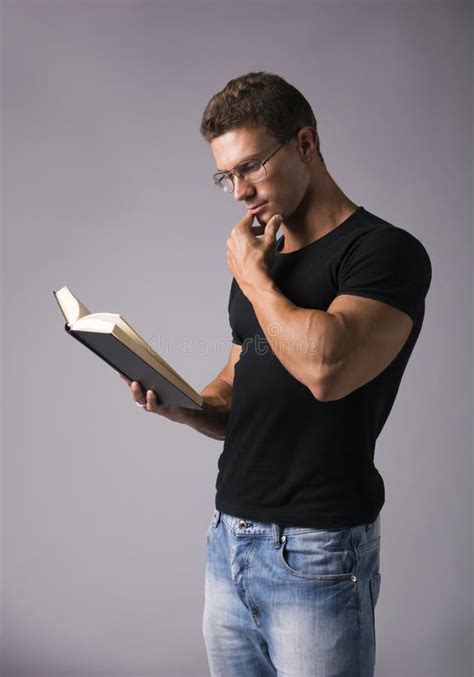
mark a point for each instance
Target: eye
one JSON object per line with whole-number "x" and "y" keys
{"x": 249, "y": 167}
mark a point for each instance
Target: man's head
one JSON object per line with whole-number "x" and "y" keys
{"x": 251, "y": 118}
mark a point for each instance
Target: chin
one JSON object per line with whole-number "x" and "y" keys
{"x": 263, "y": 220}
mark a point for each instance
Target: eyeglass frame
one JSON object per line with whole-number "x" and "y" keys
{"x": 232, "y": 172}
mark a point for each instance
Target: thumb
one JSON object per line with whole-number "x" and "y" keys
{"x": 272, "y": 226}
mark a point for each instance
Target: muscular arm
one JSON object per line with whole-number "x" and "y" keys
{"x": 212, "y": 421}
{"x": 331, "y": 352}
{"x": 217, "y": 399}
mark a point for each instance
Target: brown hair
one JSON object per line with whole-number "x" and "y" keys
{"x": 258, "y": 99}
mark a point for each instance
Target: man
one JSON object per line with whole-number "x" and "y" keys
{"x": 323, "y": 320}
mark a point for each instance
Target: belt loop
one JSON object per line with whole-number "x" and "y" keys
{"x": 355, "y": 542}
{"x": 276, "y": 530}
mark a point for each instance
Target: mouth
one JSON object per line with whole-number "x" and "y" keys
{"x": 257, "y": 209}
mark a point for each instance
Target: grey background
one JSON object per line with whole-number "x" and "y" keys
{"x": 106, "y": 189}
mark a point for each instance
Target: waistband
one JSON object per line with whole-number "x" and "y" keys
{"x": 354, "y": 536}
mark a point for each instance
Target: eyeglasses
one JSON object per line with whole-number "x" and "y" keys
{"x": 251, "y": 171}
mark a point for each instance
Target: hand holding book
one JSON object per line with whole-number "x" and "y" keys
{"x": 154, "y": 404}
{"x": 115, "y": 341}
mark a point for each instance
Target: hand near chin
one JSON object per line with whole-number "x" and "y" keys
{"x": 249, "y": 256}
{"x": 259, "y": 229}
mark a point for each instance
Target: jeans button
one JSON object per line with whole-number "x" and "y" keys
{"x": 242, "y": 524}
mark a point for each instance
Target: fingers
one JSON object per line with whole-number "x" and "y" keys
{"x": 245, "y": 223}
{"x": 269, "y": 229}
{"x": 258, "y": 230}
{"x": 137, "y": 392}
{"x": 273, "y": 225}
{"x": 148, "y": 399}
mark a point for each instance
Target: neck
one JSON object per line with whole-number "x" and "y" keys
{"x": 323, "y": 208}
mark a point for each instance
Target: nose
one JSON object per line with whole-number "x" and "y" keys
{"x": 242, "y": 189}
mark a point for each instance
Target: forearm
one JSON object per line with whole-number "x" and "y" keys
{"x": 302, "y": 339}
{"x": 212, "y": 421}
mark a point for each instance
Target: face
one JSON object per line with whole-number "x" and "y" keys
{"x": 287, "y": 177}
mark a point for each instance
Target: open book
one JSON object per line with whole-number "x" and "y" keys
{"x": 110, "y": 337}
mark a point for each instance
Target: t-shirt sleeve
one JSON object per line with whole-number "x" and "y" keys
{"x": 236, "y": 338}
{"x": 389, "y": 265}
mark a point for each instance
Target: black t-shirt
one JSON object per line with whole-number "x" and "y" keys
{"x": 288, "y": 457}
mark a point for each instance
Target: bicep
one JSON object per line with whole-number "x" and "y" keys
{"x": 368, "y": 336}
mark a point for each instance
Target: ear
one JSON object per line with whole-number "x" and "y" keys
{"x": 308, "y": 141}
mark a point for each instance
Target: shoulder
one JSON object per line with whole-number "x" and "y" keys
{"x": 383, "y": 259}
{"x": 376, "y": 237}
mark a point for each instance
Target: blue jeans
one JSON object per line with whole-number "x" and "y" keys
{"x": 290, "y": 601}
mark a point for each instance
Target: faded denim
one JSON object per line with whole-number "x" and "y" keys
{"x": 289, "y": 601}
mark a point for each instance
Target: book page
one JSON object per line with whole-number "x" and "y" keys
{"x": 70, "y": 306}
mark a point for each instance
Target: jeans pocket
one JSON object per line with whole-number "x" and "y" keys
{"x": 306, "y": 555}
{"x": 209, "y": 528}
{"x": 213, "y": 524}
